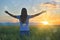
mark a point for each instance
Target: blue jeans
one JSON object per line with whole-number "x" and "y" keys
{"x": 24, "y": 35}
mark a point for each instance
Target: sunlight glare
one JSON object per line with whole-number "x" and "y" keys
{"x": 45, "y": 22}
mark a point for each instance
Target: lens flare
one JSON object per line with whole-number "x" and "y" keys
{"x": 45, "y": 22}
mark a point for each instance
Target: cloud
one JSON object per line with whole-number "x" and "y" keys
{"x": 46, "y": 6}
{"x": 6, "y": 8}
{"x": 52, "y": 14}
{"x": 57, "y": 0}
{"x": 34, "y": 9}
{"x": 50, "y": 6}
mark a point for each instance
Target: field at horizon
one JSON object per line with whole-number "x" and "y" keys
{"x": 42, "y": 33}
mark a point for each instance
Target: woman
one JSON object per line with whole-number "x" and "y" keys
{"x": 24, "y": 21}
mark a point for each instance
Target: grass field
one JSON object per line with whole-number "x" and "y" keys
{"x": 39, "y": 33}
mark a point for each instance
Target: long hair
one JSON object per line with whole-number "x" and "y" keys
{"x": 23, "y": 16}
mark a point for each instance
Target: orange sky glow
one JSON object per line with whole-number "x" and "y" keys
{"x": 51, "y": 15}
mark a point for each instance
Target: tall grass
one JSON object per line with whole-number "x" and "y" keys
{"x": 12, "y": 33}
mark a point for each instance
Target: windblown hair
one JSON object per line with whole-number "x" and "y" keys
{"x": 23, "y": 16}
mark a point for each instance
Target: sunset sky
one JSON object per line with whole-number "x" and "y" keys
{"x": 52, "y": 7}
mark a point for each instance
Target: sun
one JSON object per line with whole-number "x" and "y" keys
{"x": 45, "y": 22}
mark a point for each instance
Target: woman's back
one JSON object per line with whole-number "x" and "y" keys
{"x": 24, "y": 26}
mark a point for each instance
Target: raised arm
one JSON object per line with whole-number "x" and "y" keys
{"x": 37, "y": 14}
{"x": 10, "y": 14}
